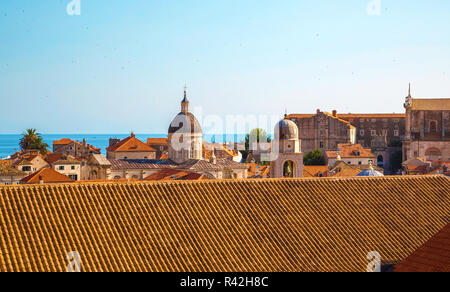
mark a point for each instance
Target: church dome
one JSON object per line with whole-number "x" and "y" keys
{"x": 370, "y": 172}
{"x": 185, "y": 123}
{"x": 286, "y": 130}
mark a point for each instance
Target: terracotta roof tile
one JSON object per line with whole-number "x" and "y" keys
{"x": 157, "y": 141}
{"x": 314, "y": 171}
{"x": 220, "y": 226}
{"x": 350, "y": 151}
{"x": 433, "y": 256}
{"x": 173, "y": 174}
{"x": 48, "y": 175}
{"x": 131, "y": 144}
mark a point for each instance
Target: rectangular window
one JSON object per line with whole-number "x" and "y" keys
{"x": 361, "y": 133}
{"x": 73, "y": 167}
{"x": 321, "y": 145}
{"x": 396, "y": 133}
{"x": 373, "y": 133}
{"x": 26, "y": 168}
{"x": 61, "y": 167}
{"x": 74, "y": 177}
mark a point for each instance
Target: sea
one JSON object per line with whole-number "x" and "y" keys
{"x": 9, "y": 144}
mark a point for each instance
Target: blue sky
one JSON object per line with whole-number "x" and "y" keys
{"x": 121, "y": 65}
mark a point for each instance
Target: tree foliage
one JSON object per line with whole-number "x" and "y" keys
{"x": 32, "y": 140}
{"x": 314, "y": 157}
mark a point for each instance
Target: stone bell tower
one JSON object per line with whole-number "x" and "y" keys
{"x": 286, "y": 156}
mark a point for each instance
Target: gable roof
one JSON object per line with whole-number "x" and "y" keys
{"x": 48, "y": 175}
{"x": 431, "y": 104}
{"x": 66, "y": 141}
{"x": 53, "y": 157}
{"x": 157, "y": 141}
{"x": 433, "y": 256}
{"x": 6, "y": 170}
{"x": 213, "y": 226}
{"x": 315, "y": 170}
{"x": 99, "y": 160}
{"x": 131, "y": 144}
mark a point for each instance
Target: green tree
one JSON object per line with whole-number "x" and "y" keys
{"x": 396, "y": 161}
{"x": 314, "y": 158}
{"x": 32, "y": 140}
{"x": 256, "y": 135}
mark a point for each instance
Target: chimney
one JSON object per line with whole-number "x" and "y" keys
{"x": 84, "y": 142}
{"x": 213, "y": 158}
{"x": 318, "y": 111}
{"x": 41, "y": 180}
{"x": 335, "y": 113}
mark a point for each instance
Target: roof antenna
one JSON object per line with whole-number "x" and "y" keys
{"x": 409, "y": 90}
{"x": 285, "y": 113}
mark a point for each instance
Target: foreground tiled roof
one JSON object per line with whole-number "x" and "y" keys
{"x": 48, "y": 175}
{"x": 433, "y": 256}
{"x": 249, "y": 225}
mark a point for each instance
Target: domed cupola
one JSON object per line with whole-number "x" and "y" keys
{"x": 286, "y": 137}
{"x": 370, "y": 172}
{"x": 185, "y": 135}
{"x": 185, "y": 122}
{"x": 286, "y": 130}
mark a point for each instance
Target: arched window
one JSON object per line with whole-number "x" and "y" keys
{"x": 288, "y": 169}
{"x": 380, "y": 158}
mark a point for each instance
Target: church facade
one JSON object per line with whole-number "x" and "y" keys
{"x": 427, "y": 129}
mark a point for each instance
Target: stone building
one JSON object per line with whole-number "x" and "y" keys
{"x": 74, "y": 148}
{"x": 323, "y": 131}
{"x": 286, "y": 156}
{"x": 160, "y": 144}
{"x": 10, "y": 175}
{"x": 185, "y": 138}
{"x": 370, "y": 126}
{"x": 427, "y": 129}
{"x": 130, "y": 148}
{"x": 352, "y": 154}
